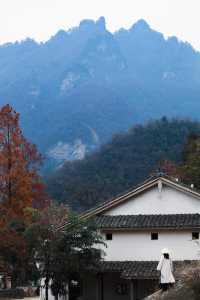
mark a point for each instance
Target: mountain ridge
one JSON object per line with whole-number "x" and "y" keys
{"x": 123, "y": 163}
{"x": 88, "y": 79}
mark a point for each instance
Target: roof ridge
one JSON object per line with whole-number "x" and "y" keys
{"x": 146, "y": 184}
{"x": 138, "y": 215}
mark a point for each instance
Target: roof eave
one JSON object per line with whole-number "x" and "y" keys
{"x": 145, "y": 186}
{"x": 150, "y": 229}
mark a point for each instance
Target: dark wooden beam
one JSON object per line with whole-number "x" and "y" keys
{"x": 102, "y": 288}
{"x": 132, "y": 293}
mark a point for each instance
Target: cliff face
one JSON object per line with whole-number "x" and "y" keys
{"x": 120, "y": 165}
{"x": 87, "y": 83}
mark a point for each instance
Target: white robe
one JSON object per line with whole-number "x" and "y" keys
{"x": 165, "y": 266}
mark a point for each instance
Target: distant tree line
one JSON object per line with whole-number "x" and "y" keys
{"x": 126, "y": 161}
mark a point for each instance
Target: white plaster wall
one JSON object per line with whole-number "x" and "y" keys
{"x": 169, "y": 201}
{"x": 139, "y": 246}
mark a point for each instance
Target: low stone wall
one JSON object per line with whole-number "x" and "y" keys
{"x": 154, "y": 296}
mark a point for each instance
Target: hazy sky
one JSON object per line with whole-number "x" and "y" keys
{"x": 40, "y": 19}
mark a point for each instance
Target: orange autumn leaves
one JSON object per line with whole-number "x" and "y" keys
{"x": 20, "y": 184}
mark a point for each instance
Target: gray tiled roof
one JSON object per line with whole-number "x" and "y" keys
{"x": 138, "y": 269}
{"x": 131, "y": 269}
{"x": 179, "y": 221}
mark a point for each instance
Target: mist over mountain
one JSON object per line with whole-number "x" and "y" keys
{"x": 83, "y": 85}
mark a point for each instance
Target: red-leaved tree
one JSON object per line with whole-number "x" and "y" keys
{"x": 21, "y": 188}
{"x": 20, "y": 184}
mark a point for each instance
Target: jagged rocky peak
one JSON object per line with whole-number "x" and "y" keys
{"x": 101, "y": 23}
{"x": 88, "y": 24}
{"x": 140, "y": 26}
{"x": 59, "y": 36}
{"x": 28, "y": 42}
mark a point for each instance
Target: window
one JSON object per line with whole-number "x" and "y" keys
{"x": 154, "y": 236}
{"x": 195, "y": 235}
{"x": 109, "y": 236}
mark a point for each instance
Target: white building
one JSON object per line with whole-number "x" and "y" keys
{"x": 160, "y": 213}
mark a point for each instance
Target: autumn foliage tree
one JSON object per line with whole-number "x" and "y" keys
{"x": 170, "y": 168}
{"x": 21, "y": 188}
{"x": 20, "y": 184}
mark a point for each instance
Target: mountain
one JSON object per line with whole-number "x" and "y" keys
{"x": 85, "y": 84}
{"x": 120, "y": 164}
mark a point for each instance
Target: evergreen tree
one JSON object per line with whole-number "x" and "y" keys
{"x": 64, "y": 246}
{"x": 120, "y": 165}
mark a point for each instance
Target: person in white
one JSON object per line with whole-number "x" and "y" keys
{"x": 165, "y": 267}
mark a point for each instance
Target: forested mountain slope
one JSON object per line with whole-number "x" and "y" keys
{"x": 77, "y": 89}
{"x": 121, "y": 164}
